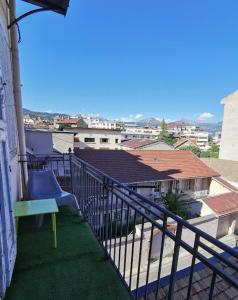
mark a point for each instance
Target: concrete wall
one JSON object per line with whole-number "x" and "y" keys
{"x": 62, "y": 141}
{"x": 39, "y": 142}
{"x": 217, "y": 188}
{"x": 229, "y": 136}
{"x": 227, "y": 224}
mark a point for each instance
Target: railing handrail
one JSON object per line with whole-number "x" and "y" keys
{"x": 163, "y": 210}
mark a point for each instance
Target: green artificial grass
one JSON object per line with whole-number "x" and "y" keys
{"x": 75, "y": 270}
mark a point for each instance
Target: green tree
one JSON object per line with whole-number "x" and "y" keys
{"x": 173, "y": 202}
{"x": 193, "y": 149}
{"x": 164, "y": 135}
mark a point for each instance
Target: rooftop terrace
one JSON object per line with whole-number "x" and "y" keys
{"x": 77, "y": 269}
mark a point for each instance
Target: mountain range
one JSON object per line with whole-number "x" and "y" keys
{"x": 210, "y": 127}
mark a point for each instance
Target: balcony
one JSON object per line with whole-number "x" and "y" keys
{"x": 77, "y": 269}
{"x": 150, "y": 252}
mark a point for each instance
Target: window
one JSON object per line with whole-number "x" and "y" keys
{"x": 104, "y": 140}
{"x": 89, "y": 140}
{"x": 116, "y": 141}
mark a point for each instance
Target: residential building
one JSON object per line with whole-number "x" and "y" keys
{"x": 154, "y": 173}
{"x": 73, "y": 122}
{"x": 95, "y": 122}
{"x": 140, "y": 133}
{"x": 181, "y": 143}
{"x": 229, "y": 135}
{"x": 96, "y": 138}
{"x": 144, "y": 144}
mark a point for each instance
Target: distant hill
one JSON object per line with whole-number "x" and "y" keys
{"x": 44, "y": 115}
{"x": 209, "y": 127}
{"x": 148, "y": 122}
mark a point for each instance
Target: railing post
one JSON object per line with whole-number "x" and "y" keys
{"x": 106, "y": 187}
{"x": 71, "y": 170}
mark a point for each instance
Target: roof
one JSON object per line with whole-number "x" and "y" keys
{"x": 223, "y": 204}
{"x": 137, "y": 143}
{"x": 130, "y": 166}
{"x": 227, "y": 168}
{"x": 183, "y": 141}
{"x": 92, "y": 129}
{"x": 201, "y": 283}
{"x": 69, "y": 121}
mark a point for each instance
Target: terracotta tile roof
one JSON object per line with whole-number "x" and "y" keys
{"x": 183, "y": 141}
{"x": 146, "y": 165}
{"x": 201, "y": 284}
{"x": 136, "y": 143}
{"x": 223, "y": 204}
{"x": 69, "y": 121}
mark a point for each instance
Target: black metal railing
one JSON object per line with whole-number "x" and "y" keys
{"x": 144, "y": 241}
{"x": 59, "y": 163}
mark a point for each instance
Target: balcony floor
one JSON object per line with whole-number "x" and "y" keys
{"x": 75, "y": 270}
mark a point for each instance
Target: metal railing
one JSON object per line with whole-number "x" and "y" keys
{"x": 59, "y": 163}
{"x": 143, "y": 240}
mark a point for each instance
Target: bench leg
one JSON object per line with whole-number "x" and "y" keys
{"x": 53, "y": 218}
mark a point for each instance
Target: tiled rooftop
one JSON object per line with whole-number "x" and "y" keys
{"x": 77, "y": 269}
{"x": 146, "y": 165}
{"x": 227, "y": 168}
{"x": 201, "y": 284}
{"x": 222, "y": 204}
{"x": 136, "y": 143}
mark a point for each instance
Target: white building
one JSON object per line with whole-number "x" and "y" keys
{"x": 229, "y": 136}
{"x": 12, "y": 142}
{"x": 96, "y": 138}
{"x": 140, "y": 133}
{"x": 93, "y": 122}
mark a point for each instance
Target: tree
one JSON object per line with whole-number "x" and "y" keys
{"x": 212, "y": 152}
{"x": 164, "y": 135}
{"x": 173, "y": 202}
{"x": 193, "y": 149}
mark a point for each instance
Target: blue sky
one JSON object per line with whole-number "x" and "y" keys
{"x": 131, "y": 58}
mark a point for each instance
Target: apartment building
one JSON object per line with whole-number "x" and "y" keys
{"x": 99, "y": 123}
{"x": 229, "y": 135}
{"x": 73, "y": 122}
{"x": 140, "y": 133}
{"x": 96, "y": 138}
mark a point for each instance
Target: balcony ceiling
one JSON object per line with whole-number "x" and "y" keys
{"x": 59, "y": 6}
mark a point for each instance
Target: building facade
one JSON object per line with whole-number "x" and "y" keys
{"x": 95, "y": 138}
{"x": 229, "y": 135}
{"x": 11, "y": 142}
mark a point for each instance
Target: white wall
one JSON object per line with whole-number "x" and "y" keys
{"x": 229, "y": 136}
{"x": 97, "y": 135}
{"x": 217, "y": 188}
{"x": 62, "y": 141}
{"x": 39, "y": 142}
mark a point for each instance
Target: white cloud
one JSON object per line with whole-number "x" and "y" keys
{"x": 49, "y": 111}
{"x": 205, "y": 116}
{"x": 131, "y": 118}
